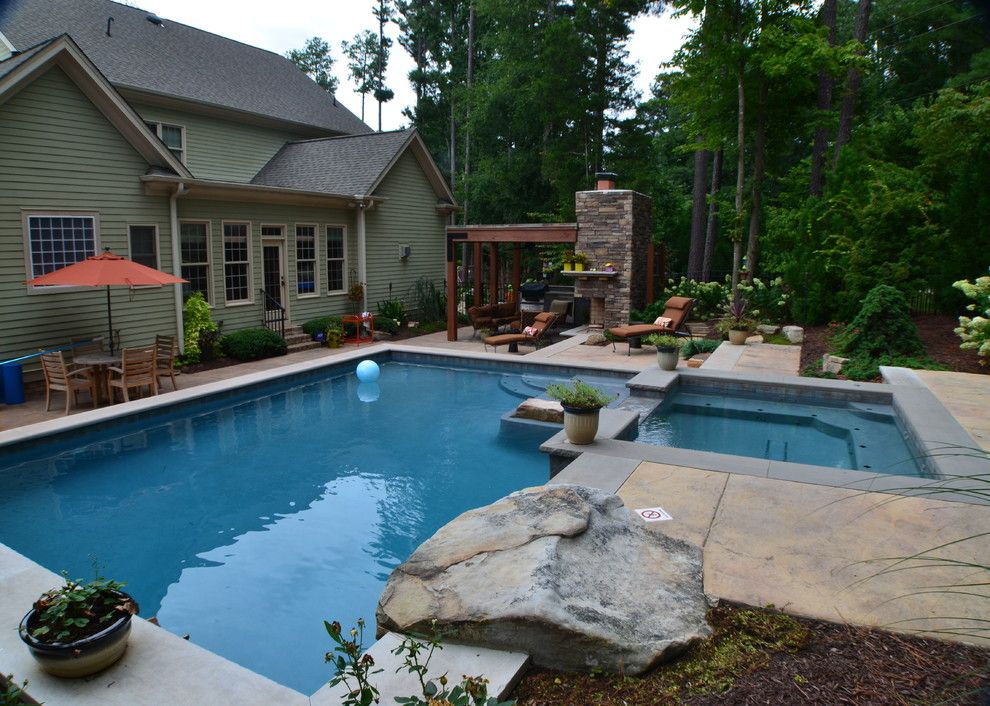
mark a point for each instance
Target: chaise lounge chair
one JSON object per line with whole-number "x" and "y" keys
{"x": 543, "y": 323}
{"x": 677, "y": 309}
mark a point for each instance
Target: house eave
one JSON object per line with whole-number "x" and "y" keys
{"x": 211, "y": 190}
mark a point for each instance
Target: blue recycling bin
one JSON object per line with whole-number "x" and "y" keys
{"x": 13, "y": 383}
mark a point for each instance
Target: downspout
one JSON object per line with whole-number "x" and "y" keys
{"x": 362, "y": 250}
{"x": 180, "y": 189}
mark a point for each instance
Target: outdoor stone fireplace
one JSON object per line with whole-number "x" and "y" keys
{"x": 614, "y": 226}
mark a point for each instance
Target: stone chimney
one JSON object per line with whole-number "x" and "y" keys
{"x": 614, "y": 226}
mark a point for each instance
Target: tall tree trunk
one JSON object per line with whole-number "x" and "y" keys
{"x": 467, "y": 121}
{"x": 853, "y": 77}
{"x": 824, "y": 105}
{"x": 759, "y": 167}
{"x": 740, "y": 179}
{"x": 696, "y": 252}
{"x": 712, "y": 227}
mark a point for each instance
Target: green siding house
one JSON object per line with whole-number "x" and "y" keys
{"x": 198, "y": 155}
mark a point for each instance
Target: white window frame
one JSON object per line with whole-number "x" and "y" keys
{"x": 209, "y": 255}
{"x": 157, "y": 129}
{"x": 26, "y": 215}
{"x": 250, "y": 262}
{"x": 326, "y": 251}
{"x": 316, "y": 259}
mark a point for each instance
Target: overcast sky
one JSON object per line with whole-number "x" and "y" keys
{"x": 287, "y": 24}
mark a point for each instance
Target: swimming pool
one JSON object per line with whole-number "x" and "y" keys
{"x": 863, "y": 436}
{"x": 245, "y": 522}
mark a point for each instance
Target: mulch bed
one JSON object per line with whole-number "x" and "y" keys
{"x": 935, "y": 331}
{"x": 793, "y": 661}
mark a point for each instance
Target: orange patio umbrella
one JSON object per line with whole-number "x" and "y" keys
{"x": 106, "y": 270}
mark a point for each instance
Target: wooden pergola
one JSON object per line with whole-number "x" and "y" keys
{"x": 478, "y": 237}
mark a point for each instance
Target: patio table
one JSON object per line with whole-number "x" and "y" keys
{"x": 100, "y": 362}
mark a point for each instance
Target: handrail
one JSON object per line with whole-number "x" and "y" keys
{"x": 66, "y": 347}
{"x": 274, "y": 317}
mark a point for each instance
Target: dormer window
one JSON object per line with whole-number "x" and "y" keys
{"x": 173, "y": 136}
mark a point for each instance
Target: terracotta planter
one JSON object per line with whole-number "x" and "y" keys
{"x": 82, "y": 657}
{"x": 581, "y": 424}
{"x": 667, "y": 357}
{"x": 737, "y": 337}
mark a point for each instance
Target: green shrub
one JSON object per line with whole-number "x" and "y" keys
{"x": 196, "y": 321}
{"x": 664, "y": 340}
{"x": 975, "y": 331}
{"x": 865, "y": 368}
{"x": 580, "y": 395}
{"x": 253, "y": 343}
{"x": 694, "y": 346}
{"x": 386, "y": 325}
{"x": 320, "y": 324}
{"x": 431, "y": 302}
{"x": 768, "y": 301}
{"x": 709, "y": 299}
{"x": 883, "y": 327}
{"x": 393, "y": 309}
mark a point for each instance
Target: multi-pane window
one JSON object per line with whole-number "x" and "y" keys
{"x": 174, "y": 137}
{"x": 57, "y": 241}
{"x": 144, "y": 245}
{"x": 335, "y": 259}
{"x": 236, "y": 262}
{"x": 194, "y": 245}
{"x": 306, "y": 260}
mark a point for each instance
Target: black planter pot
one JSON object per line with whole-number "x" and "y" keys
{"x": 83, "y": 657}
{"x": 533, "y": 291}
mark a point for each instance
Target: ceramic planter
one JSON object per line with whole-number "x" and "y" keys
{"x": 580, "y": 424}
{"x": 579, "y": 267}
{"x": 738, "y": 337}
{"x": 667, "y": 357}
{"x": 568, "y": 267}
{"x": 82, "y": 657}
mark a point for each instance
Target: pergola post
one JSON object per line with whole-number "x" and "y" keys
{"x": 493, "y": 273}
{"x": 451, "y": 291}
{"x": 516, "y": 269}
{"x": 477, "y": 280}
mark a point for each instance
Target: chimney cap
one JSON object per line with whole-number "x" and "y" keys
{"x": 606, "y": 176}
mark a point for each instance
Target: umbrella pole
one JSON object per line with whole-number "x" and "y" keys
{"x": 110, "y": 319}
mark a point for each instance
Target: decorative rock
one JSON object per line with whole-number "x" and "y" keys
{"x": 541, "y": 410}
{"x": 564, "y": 572}
{"x": 595, "y": 339}
{"x": 767, "y": 329}
{"x": 833, "y": 363}
{"x": 795, "y": 334}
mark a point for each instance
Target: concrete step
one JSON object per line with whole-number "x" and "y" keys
{"x": 305, "y": 346}
{"x": 501, "y": 669}
{"x": 292, "y": 338}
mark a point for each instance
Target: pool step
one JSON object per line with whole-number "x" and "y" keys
{"x": 501, "y": 669}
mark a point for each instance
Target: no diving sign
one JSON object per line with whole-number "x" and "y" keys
{"x": 653, "y": 514}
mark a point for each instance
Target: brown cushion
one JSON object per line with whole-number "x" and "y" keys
{"x": 638, "y": 330}
{"x": 505, "y": 338}
{"x": 545, "y": 317}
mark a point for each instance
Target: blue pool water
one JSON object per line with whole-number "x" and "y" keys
{"x": 247, "y": 525}
{"x": 857, "y": 436}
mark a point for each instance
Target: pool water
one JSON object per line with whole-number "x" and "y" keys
{"x": 856, "y": 436}
{"x": 247, "y": 526}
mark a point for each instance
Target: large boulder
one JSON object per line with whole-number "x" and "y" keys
{"x": 564, "y": 572}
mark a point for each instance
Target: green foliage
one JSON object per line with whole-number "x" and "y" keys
{"x": 694, "y": 346}
{"x": 321, "y": 323}
{"x": 975, "y": 331}
{"x": 316, "y": 61}
{"x": 866, "y": 369}
{"x": 253, "y": 343}
{"x": 579, "y": 394}
{"x": 664, "y": 340}
{"x": 394, "y": 309}
{"x": 709, "y": 299}
{"x": 196, "y": 321}
{"x": 471, "y": 691}
{"x": 352, "y": 668}
{"x": 78, "y": 609}
{"x": 431, "y": 301}
{"x": 334, "y": 334}
{"x": 10, "y": 693}
{"x": 769, "y": 301}
{"x": 737, "y": 316}
{"x": 386, "y": 325}
{"x": 883, "y": 326}
{"x": 362, "y": 67}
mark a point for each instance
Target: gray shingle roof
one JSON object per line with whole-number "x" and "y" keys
{"x": 336, "y": 165}
{"x": 12, "y": 62}
{"x": 179, "y": 60}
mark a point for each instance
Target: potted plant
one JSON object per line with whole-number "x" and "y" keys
{"x": 334, "y": 336}
{"x": 567, "y": 260}
{"x": 735, "y": 322}
{"x": 582, "y": 404}
{"x": 80, "y": 628}
{"x": 356, "y": 295}
{"x": 581, "y": 261}
{"x": 668, "y": 349}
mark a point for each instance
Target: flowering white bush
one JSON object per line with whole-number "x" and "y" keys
{"x": 975, "y": 332}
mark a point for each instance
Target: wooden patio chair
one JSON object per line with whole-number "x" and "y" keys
{"x": 137, "y": 371}
{"x": 676, "y": 311}
{"x": 81, "y": 346}
{"x": 541, "y": 326}
{"x": 165, "y": 360}
{"x": 60, "y": 378}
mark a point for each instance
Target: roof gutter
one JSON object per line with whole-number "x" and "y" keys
{"x": 253, "y": 189}
{"x": 173, "y": 211}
